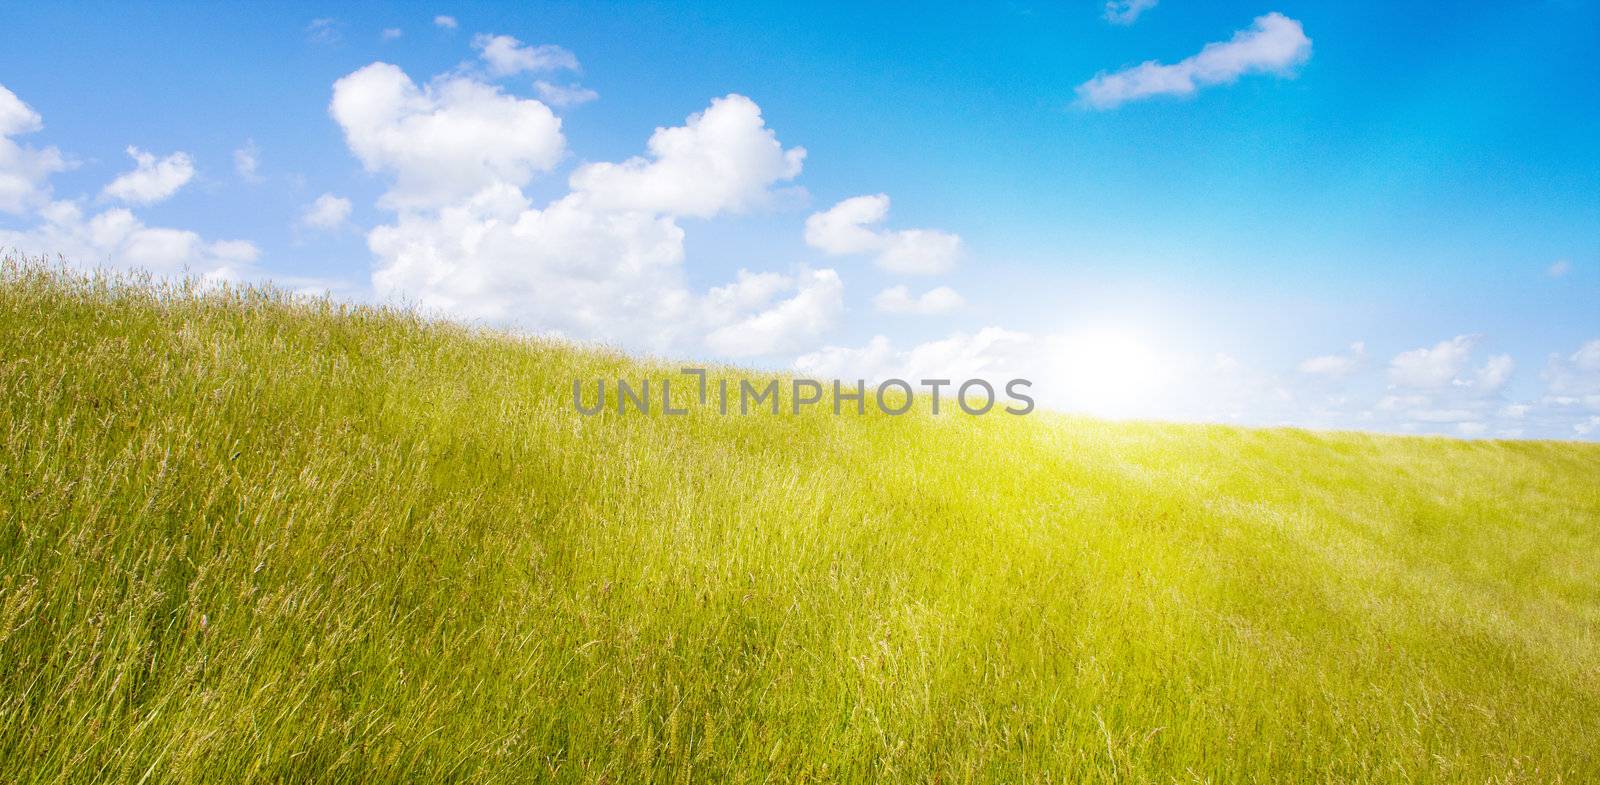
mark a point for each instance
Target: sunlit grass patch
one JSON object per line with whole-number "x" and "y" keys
{"x": 246, "y": 536}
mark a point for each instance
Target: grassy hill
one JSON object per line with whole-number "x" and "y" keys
{"x": 248, "y": 538}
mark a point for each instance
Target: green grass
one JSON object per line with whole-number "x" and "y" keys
{"x": 245, "y": 538}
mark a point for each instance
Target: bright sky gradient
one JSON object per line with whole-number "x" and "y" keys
{"x": 1352, "y": 215}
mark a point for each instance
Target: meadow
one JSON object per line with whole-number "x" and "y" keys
{"x": 249, "y": 537}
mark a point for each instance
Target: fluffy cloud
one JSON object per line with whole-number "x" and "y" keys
{"x": 1274, "y": 43}
{"x": 24, "y": 171}
{"x": 562, "y": 269}
{"x": 152, "y": 180}
{"x": 1126, "y": 12}
{"x": 391, "y": 33}
{"x": 446, "y": 22}
{"x": 564, "y": 95}
{"x": 444, "y": 142}
{"x": 898, "y": 300}
{"x": 506, "y": 56}
{"x": 1495, "y": 373}
{"x": 327, "y": 212}
{"x": 1336, "y": 365}
{"x": 113, "y": 238}
{"x": 605, "y": 260}
{"x": 724, "y": 159}
{"x": 784, "y": 326}
{"x": 1432, "y": 367}
{"x": 849, "y": 227}
{"x": 116, "y": 238}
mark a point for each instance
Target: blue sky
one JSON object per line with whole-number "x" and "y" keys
{"x": 1208, "y": 238}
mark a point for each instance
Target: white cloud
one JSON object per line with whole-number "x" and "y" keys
{"x": 246, "y": 160}
{"x": 782, "y": 327}
{"x": 1573, "y": 382}
{"x": 1495, "y": 373}
{"x": 844, "y": 228}
{"x": 444, "y": 142}
{"x": 1126, "y": 12}
{"x": 1336, "y": 365}
{"x": 563, "y": 269}
{"x": 564, "y": 95}
{"x": 748, "y": 292}
{"x": 24, "y": 171}
{"x": 446, "y": 22}
{"x": 991, "y": 353}
{"x": 152, "y": 179}
{"x": 849, "y": 227}
{"x": 1274, "y": 43}
{"x": 391, "y": 33}
{"x": 116, "y": 238}
{"x": 604, "y": 261}
{"x": 898, "y": 300}
{"x": 1559, "y": 268}
{"x": 722, "y": 159}
{"x": 506, "y": 55}
{"x": 327, "y": 212}
{"x": 1433, "y": 367}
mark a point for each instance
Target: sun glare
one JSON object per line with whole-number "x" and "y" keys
{"x": 1110, "y": 372}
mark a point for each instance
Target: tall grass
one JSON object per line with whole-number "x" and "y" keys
{"x": 249, "y": 538}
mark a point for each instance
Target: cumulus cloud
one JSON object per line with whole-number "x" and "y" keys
{"x": 444, "y": 142}
{"x": 113, "y": 238}
{"x": 1273, "y": 44}
{"x": 1126, "y": 12}
{"x": 116, "y": 238}
{"x": 603, "y": 261}
{"x": 505, "y": 55}
{"x": 1336, "y": 365}
{"x": 152, "y": 180}
{"x": 562, "y": 269}
{"x": 564, "y": 95}
{"x": 723, "y": 159}
{"x": 391, "y": 33}
{"x": 24, "y": 171}
{"x": 898, "y": 300}
{"x": 850, "y": 227}
{"x": 1432, "y": 367}
{"x": 1440, "y": 385}
{"x": 446, "y": 22}
{"x": 1495, "y": 373}
{"x": 785, "y": 326}
{"x": 327, "y": 212}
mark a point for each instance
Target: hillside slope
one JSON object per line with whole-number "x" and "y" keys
{"x": 244, "y": 538}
